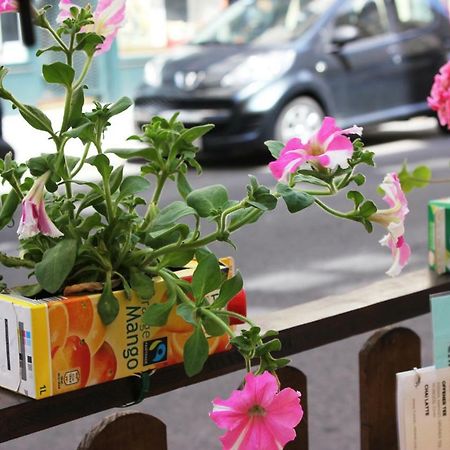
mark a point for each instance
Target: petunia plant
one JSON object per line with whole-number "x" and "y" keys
{"x": 82, "y": 236}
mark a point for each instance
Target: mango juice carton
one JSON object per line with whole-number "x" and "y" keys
{"x": 439, "y": 235}
{"x": 55, "y": 345}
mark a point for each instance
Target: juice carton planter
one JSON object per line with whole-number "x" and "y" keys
{"x": 60, "y": 344}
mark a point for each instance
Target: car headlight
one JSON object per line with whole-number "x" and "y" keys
{"x": 153, "y": 72}
{"x": 260, "y": 67}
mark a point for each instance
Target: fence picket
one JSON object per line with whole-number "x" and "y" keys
{"x": 294, "y": 378}
{"x": 127, "y": 431}
{"x": 385, "y": 353}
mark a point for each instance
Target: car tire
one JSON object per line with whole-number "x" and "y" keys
{"x": 300, "y": 118}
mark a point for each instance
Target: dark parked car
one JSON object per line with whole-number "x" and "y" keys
{"x": 269, "y": 69}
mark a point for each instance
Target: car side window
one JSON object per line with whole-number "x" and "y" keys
{"x": 368, "y": 16}
{"x": 413, "y": 13}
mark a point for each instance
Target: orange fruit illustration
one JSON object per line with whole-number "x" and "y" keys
{"x": 103, "y": 365}
{"x": 59, "y": 368}
{"x": 177, "y": 324}
{"x": 81, "y": 315}
{"x": 59, "y": 325}
{"x": 85, "y": 322}
{"x": 78, "y": 356}
{"x": 96, "y": 335}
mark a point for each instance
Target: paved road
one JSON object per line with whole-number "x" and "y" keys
{"x": 286, "y": 260}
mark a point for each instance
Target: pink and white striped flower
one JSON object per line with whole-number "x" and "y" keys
{"x": 329, "y": 147}
{"x": 108, "y": 18}
{"x": 259, "y": 416}
{"x": 393, "y": 220}
{"x": 8, "y": 6}
{"x": 34, "y": 219}
{"x": 64, "y": 10}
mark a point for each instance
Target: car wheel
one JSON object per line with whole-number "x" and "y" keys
{"x": 300, "y": 118}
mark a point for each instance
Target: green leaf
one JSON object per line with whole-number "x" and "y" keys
{"x": 157, "y": 314}
{"x": 228, "y": 290}
{"x": 132, "y": 185}
{"x": 177, "y": 259}
{"x": 101, "y": 162}
{"x": 108, "y": 306}
{"x": 148, "y": 154}
{"x": 274, "y": 147}
{"x": 187, "y": 313}
{"x": 359, "y": 179}
{"x": 88, "y": 42}
{"x": 76, "y": 106}
{"x": 167, "y": 235}
{"x": 36, "y": 118}
{"x": 53, "y": 48}
{"x": 56, "y": 265}
{"x": 209, "y": 200}
{"x": 9, "y": 207}
{"x": 79, "y": 131}
{"x": 195, "y": 352}
{"x": 243, "y": 214}
{"x": 184, "y": 188}
{"x": 295, "y": 200}
{"x": 212, "y": 327}
{"x": 192, "y": 134}
{"x": 59, "y": 73}
{"x": 119, "y": 106}
{"x": 301, "y": 178}
{"x": 367, "y": 208}
{"x": 419, "y": 178}
{"x": 29, "y": 290}
{"x": 422, "y": 176}
{"x": 116, "y": 179}
{"x": 268, "y": 347}
{"x": 141, "y": 283}
{"x": 207, "y": 277}
{"x": 356, "y": 196}
{"x": 172, "y": 213}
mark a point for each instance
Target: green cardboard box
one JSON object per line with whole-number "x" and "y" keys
{"x": 439, "y": 235}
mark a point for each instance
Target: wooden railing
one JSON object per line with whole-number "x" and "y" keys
{"x": 301, "y": 328}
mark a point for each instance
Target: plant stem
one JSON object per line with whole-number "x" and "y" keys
{"x": 82, "y": 160}
{"x": 107, "y": 189}
{"x": 187, "y": 246}
{"x": 12, "y": 261}
{"x": 87, "y": 65}
{"x": 229, "y": 211}
{"x": 213, "y": 317}
{"x": 159, "y": 187}
{"x": 56, "y": 37}
{"x": 65, "y": 121}
{"x": 244, "y": 221}
{"x": 334, "y": 212}
{"x": 236, "y": 316}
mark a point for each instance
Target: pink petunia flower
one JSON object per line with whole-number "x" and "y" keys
{"x": 439, "y": 99}
{"x": 393, "y": 219}
{"x": 329, "y": 147}
{"x": 34, "y": 219}
{"x": 108, "y": 18}
{"x": 259, "y": 417}
{"x": 8, "y": 6}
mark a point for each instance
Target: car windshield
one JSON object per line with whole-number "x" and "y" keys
{"x": 262, "y": 21}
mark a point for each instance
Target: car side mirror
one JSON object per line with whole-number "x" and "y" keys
{"x": 344, "y": 34}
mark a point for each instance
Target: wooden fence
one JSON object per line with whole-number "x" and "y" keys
{"x": 302, "y": 327}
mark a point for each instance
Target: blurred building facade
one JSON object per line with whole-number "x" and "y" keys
{"x": 151, "y": 26}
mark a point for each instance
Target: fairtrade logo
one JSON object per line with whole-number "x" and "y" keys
{"x": 155, "y": 351}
